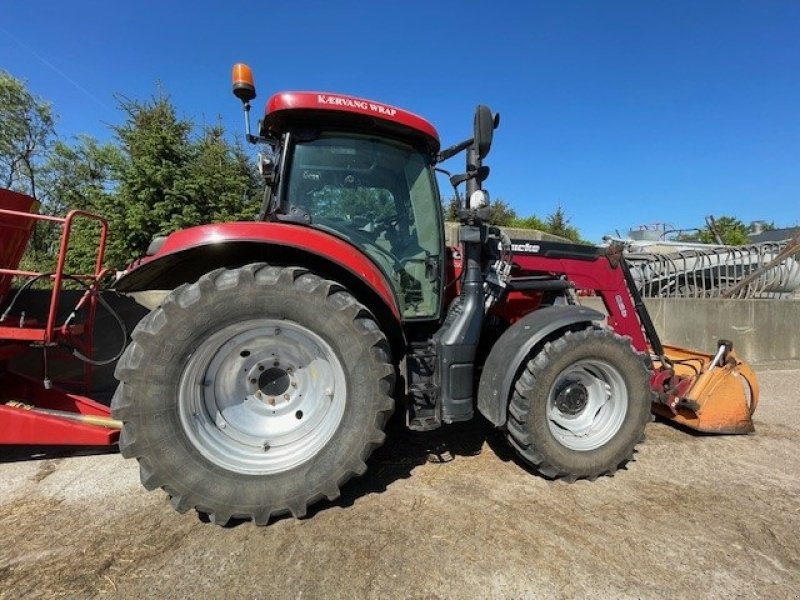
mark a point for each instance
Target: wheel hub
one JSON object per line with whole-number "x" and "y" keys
{"x": 572, "y": 399}
{"x": 587, "y": 404}
{"x": 262, "y": 396}
{"x": 273, "y": 382}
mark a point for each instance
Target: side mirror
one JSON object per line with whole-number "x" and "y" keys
{"x": 244, "y": 88}
{"x": 484, "y": 129}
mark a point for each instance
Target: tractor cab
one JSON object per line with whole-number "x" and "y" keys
{"x": 362, "y": 171}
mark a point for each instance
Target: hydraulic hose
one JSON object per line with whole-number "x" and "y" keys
{"x": 77, "y": 353}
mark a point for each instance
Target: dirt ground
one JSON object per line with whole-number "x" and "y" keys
{"x": 708, "y": 517}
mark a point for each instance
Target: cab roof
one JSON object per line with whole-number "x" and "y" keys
{"x": 329, "y": 109}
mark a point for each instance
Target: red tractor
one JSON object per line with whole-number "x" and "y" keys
{"x": 264, "y": 379}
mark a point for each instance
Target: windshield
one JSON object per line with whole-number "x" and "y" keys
{"x": 380, "y": 195}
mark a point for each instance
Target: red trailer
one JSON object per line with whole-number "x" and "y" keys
{"x": 33, "y": 410}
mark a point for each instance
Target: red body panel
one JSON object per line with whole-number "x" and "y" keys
{"x": 596, "y": 276}
{"x": 20, "y": 426}
{"x": 341, "y": 103}
{"x": 15, "y": 229}
{"x": 295, "y": 236}
{"x": 516, "y": 305}
{"x": 600, "y": 277}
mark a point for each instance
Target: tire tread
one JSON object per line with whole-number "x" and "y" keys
{"x": 145, "y": 338}
{"x": 519, "y": 431}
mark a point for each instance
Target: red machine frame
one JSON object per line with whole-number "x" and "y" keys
{"x": 40, "y": 414}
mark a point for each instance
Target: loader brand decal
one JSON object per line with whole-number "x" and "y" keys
{"x": 525, "y": 248}
{"x": 621, "y": 305}
{"x": 356, "y": 103}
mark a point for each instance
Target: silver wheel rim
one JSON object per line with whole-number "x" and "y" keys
{"x": 586, "y": 405}
{"x": 261, "y": 396}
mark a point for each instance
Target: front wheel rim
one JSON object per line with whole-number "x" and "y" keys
{"x": 586, "y": 405}
{"x": 261, "y": 396}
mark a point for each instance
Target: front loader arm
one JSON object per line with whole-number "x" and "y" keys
{"x": 711, "y": 393}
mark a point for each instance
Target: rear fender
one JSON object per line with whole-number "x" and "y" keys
{"x": 188, "y": 254}
{"x": 513, "y": 348}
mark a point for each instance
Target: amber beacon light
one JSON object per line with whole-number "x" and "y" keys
{"x": 244, "y": 87}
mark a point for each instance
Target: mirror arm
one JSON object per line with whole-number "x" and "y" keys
{"x": 453, "y": 150}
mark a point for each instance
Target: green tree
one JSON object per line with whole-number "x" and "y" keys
{"x": 78, "y": 176}
{"x": 451, "y": 209}
{"x": 557, "y": 223}
{"x": 500, "y": 212}
{"x": 157, "y": 176}
{"x": 730, "y": 229}
{"x": 27, "y": 129}
{"x": 224, "y": 182}
{"x": 531, "y": 222}
{"x": 155, "y": 192}
{"x": 167, "y": 181}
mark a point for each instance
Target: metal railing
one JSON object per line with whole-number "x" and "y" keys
{"x": 764, "y": 270}
{"x": 47, "y": 335}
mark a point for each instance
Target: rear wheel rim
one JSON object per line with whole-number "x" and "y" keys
{"x": 262, "y": 396}
{"x": 586, "y": 405}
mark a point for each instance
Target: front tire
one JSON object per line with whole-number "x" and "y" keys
{"x": 580, "y": 406}
{"x": 254, "y": 392}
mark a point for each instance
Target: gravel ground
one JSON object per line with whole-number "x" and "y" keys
{"x": 694, "y": 516}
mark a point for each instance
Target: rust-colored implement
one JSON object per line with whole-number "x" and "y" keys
{"x": 713, "y": 393}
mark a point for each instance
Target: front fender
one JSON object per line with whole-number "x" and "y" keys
{"x": 188, "y": 254}
{"x": 514, "y": 347}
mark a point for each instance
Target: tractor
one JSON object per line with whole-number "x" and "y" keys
{"x": 264, "y": 379}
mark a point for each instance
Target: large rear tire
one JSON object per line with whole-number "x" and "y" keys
{"x": 254, "y": 392}
{"x": 580, "y": 406}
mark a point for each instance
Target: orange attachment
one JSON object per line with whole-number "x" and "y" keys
{"x": 721, "y": 392}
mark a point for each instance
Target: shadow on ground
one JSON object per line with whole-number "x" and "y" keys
{"x": 405, "y": 450}
{"x": 12, "y": 454}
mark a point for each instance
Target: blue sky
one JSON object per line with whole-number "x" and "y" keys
{"x": 625, "y": 113}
